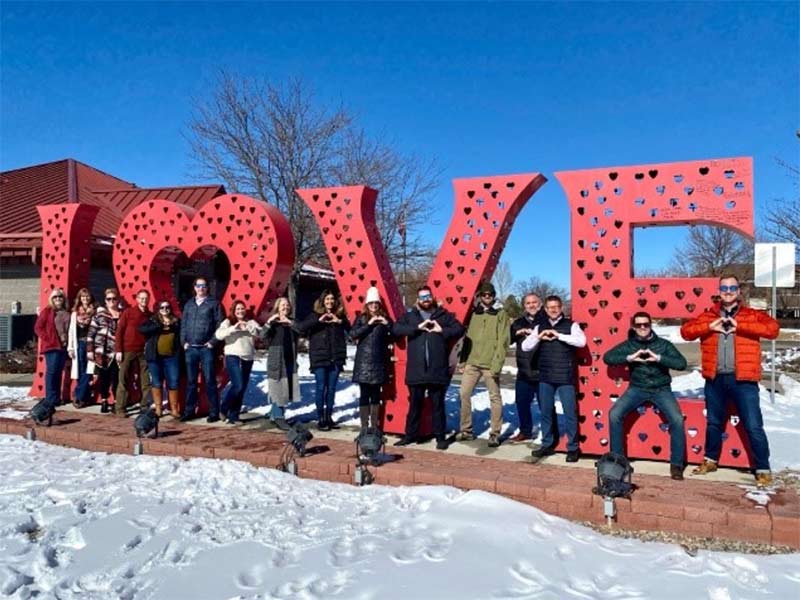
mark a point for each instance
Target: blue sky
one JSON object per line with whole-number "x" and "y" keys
{"x": 483, "y": 88}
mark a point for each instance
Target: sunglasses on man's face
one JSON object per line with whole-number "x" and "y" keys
{"x": 111, "y": 299}
{"x": 729, "y": 289}
{"x": 641, "y": 325}
{"x": 201, "y": 285}
{"x": 487, "y": 295}
{"x": 425, "y": 297}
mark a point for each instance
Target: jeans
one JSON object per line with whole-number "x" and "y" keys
{"x": 326, "y": 378}
{"x": 165, "y": 367}
{"x": 547, "y": 402}
{"x": 524, "y": 391}
{"x": 82, "y": 391}
{"x": 54, "y": 361}
{"x": 415, "y": 402}
{"x": 662, "y": 399}
{"x": 195, "y": 358}
{"x": 239, "y": 374}
{"x": 745, "y": 395}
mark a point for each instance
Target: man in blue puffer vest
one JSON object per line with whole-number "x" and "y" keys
{"x": 557, "y": 340}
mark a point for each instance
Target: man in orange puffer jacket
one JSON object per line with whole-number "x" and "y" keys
{"x": 730, "y": 346}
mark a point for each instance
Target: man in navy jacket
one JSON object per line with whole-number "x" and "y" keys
{"x": 429, "y": 329}
{"x": 199, "y": 321}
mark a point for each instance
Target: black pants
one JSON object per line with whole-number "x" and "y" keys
{"x": 370, "y": 394}
{"x": 107, "y": 379}
{"x": 415, "y": 402}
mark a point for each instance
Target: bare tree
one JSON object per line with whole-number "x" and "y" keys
{"x": 710, "y": 251}
{"x": 782, "y": 220}
{"x": 543, "y": 289}
{"x": 268, "y": 140}
{"x": 503, "y": 280}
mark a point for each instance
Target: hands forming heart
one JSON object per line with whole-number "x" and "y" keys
{"x": 724, "y": 325}
{"x": 548, "y": 335}
{"x": 644, "y": 355}
{"x": 377, "y": 319}
{"x": 431, "y": 326}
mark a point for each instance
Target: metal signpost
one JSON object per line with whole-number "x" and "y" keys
{"x": 774, "y": 267}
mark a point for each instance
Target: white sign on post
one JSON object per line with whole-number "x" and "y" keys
{"x": 784, "y": 265}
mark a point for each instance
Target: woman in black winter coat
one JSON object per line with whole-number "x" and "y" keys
{"x": 326, "y": 329}
{"x": 372, "y": 331}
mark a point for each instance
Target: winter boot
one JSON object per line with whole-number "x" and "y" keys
{"x": 174, "y": 404}
{"x": 157, "y": 400}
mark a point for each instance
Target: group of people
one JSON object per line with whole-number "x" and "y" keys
{"x": 546, "y": 355}
{"x": 105, "y": 342}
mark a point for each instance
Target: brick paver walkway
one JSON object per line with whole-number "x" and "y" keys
{"x": 703, "y": 508}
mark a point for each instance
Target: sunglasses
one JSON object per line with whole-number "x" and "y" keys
{"x": 488, "y": 294}
{"x": 641, "y": 325}
{"x": 424, "y": 297}
{"x": 201, "y": 285}
{"x": 111, "y": 298}
{"x": 58, "y": 297}
{"x": 728, "y": 288}
{"x": 165, "y": 307}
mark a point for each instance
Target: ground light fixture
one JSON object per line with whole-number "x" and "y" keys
{"x": 297, "y": 437}
{"x": 146, "y": 424}
{"x": 42, "y": 413}
{"x": 369, "y": 445}
{"x": 614, "y": 473}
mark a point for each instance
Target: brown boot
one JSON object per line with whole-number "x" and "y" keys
{"x": 763, "y": 479}
{"x": 707, "y": 466}
{"x": 174, "y": 404}
{"x": 157, "y": 400}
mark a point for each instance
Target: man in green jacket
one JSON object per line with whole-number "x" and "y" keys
{"x": 483, "y": 355}
{"x": 649, "y": 359}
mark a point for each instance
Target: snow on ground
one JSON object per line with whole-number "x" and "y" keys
{"x": 82, "y": 525}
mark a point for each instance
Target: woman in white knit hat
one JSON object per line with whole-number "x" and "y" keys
{"x": 372, "y": 332}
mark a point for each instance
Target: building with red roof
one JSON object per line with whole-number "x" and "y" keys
{"x": 68, "y": 181}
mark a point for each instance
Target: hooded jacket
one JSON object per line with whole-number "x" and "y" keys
{"x": 487, "y": 339}
{"x": 649, "y": 376}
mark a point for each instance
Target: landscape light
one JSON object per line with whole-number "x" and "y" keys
{"x": 42, "y": 413}
{"x": 614, "y": 473}
{"x": 297, "y": 437}
{"x": 145, "y": 423}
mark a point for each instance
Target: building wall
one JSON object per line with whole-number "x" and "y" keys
{"x": 20, "y": 283}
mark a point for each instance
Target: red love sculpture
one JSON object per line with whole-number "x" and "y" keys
{"x": 485, "y": 210}
{"x": 254, "y": 236}
{"x": 606, "y": 204}
{"x": 66, "y": 259}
